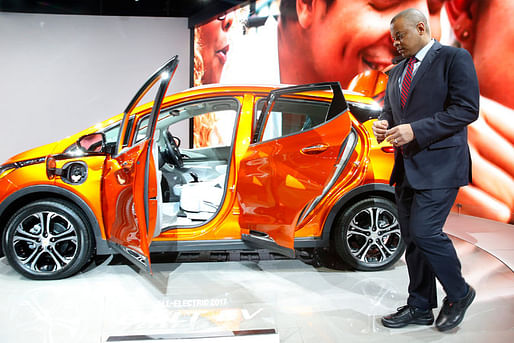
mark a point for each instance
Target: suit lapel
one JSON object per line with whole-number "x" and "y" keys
{"x": 397, "y": 77}
{"x": 425, "y": 65}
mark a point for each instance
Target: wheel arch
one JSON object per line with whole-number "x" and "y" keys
{"x": 33, "y": 193}
{"x": 352, "y": 197}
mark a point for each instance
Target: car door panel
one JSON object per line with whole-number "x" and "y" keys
{"x": 124, "y": 203}
{"x": 279, "y": 178}
{"x": 130, "y": 182}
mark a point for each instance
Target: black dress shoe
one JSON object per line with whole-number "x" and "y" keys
{"x": 408, "y": 315}
{"x": 452, "y": 314}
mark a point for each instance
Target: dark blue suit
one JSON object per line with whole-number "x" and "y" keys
{"x": 442, "y": 101}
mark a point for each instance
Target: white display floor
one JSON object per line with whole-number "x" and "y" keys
{"x": 196, "y": 300}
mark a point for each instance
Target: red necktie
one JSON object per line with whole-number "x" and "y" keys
{"x": 407, "y": 80}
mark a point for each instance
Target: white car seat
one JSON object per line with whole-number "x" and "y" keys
{"x": 205, "y": 196}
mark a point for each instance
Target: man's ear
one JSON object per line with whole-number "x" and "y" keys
{"x": 305, "y": 12}
{"x": 421, "y": 28}
{"x": 462, "y": 15}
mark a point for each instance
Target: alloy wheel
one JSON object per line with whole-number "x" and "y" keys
{"x": 367, "y": 234}
{"x": 48, "y": 239}
{"x": 45, "y": 242}
{"x": 374, "y": 235}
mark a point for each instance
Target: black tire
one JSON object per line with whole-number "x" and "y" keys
{"x": 57, "y": 251}
{"x": 365, "y": 243}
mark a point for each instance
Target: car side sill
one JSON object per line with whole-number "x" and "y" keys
{"x": 259, "y": 240}
{"x": 226, "y": 244}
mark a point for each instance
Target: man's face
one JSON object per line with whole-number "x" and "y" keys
{"x": 407, "y": 37}
{"x": 351, "y": 37}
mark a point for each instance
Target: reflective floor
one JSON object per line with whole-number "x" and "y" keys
{"x": 302, "y": 302}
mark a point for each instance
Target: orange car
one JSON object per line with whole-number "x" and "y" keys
{"x": 293, "y": 167}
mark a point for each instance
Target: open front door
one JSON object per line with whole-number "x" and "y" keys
{"x": 130, "y": 188}
{"x": 298, "y": 151}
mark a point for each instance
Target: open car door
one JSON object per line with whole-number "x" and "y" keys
{"x": 130, "y": 188}
{"x": 299, "y": 149}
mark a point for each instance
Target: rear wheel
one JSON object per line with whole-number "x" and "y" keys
{"x": 367, "y": 234}
{"x": 47, "y": 240}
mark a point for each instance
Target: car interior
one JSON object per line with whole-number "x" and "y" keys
{"x": 193, "y": 181}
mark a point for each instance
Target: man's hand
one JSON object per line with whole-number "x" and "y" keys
{"x": 380, "y": 129}
{"x": 400, "y": 135}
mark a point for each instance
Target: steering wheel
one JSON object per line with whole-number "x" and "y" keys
{"x": 171, "y": 154}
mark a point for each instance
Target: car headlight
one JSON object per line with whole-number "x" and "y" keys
{"x": 30, "y": 162}
{"x": 6, "y": 169}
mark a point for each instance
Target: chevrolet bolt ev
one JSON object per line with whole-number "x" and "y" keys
{"x": 298, "y": 168}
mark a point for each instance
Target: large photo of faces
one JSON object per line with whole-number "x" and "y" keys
{"x": 305, "y": 41}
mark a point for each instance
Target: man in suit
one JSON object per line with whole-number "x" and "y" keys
{"x": 431, "y": 96}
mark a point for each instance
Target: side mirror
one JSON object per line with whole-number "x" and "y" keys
{"x": 94, "y": 142}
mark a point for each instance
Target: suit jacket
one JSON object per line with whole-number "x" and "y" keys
{"x": 442, "y": 101}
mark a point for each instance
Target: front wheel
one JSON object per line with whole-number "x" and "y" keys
{"x": 47, "y": 240}
{"x": 367, "y": 234}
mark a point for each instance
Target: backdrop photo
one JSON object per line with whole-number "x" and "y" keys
{"x": 294, "y": 42}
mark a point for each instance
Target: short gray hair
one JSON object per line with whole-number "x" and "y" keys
{"x": 413, "y": 16}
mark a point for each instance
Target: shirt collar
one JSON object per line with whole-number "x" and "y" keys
{"x": 420, "y": 55}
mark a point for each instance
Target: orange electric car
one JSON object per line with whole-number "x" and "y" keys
{"x": 284, "y": 168}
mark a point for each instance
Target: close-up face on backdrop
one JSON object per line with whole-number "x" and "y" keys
{"x": 493, "y": 50}
{"x": 328, "y": 40}
{"x": 350, "y": 37}
{"x": 306, "y": 41}
{"x": 213, "y": 46}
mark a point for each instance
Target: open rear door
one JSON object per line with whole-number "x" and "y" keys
{"x": 130, "y": 187}
{"x": 298, "y": 151}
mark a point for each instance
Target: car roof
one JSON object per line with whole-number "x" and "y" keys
{"x": 220, "y": 89}
{"x": 239, "y": 88}
{"x": 200, "y": 92}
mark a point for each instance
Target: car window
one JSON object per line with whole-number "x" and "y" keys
{"x": 127, "y": 131}
{"x": 213, "y": 121}
{"x": 112, "y": 133}
{"x": 142, "y": 128}
{"x": 289, "y": 116}
{"x": 214, "y": 129}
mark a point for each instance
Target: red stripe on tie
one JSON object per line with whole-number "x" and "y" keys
{"x": 407, "y": 81}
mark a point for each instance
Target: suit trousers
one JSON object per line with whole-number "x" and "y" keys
{"x": 429, "y": 253}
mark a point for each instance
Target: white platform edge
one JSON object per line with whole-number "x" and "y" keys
{"x": 247, "y": 336}
{"x": 493, "y": 237}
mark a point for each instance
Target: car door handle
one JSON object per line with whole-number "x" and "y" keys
{"x": 314, "y": 149}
